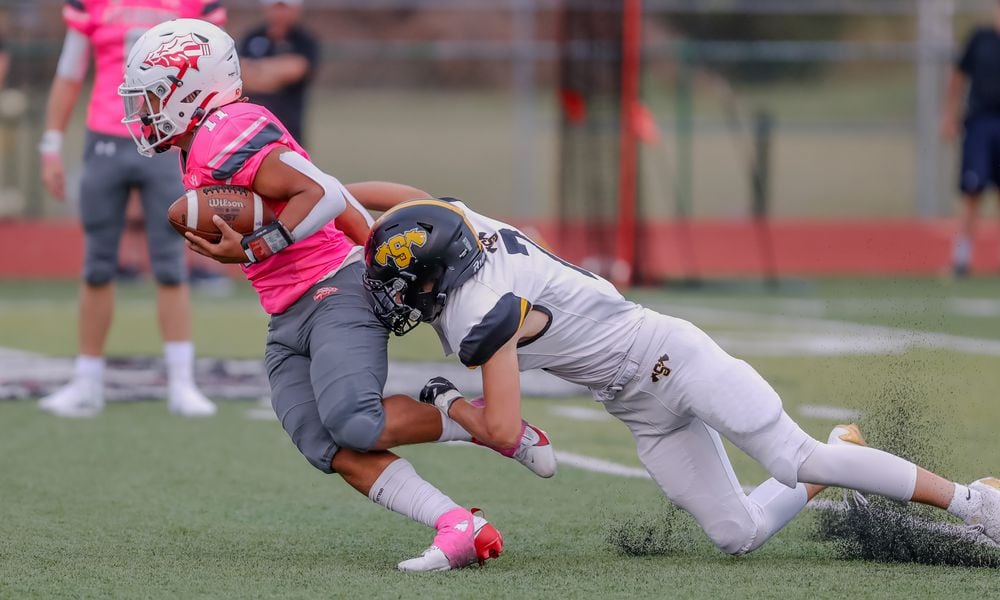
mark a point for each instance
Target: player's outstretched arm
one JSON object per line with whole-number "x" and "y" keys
{"x": 383, "y": 195}
{"x": 354, "y": 224}
{"x": 498, "y": 423}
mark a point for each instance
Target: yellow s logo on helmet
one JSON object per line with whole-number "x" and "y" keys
{"x": 398, "y": 248}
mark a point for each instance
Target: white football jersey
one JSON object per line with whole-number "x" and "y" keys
{"x": 591, "y": 325}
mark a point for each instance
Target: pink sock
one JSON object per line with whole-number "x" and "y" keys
{"x": 456, "y": 536}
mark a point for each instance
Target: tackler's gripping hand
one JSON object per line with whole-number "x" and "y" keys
{"x": 440, "y": 392}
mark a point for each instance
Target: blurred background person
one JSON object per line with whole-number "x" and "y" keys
{"x": 978, "y": 70}
{"x": 278, "y": 58}
{"x": 111, "y": 170}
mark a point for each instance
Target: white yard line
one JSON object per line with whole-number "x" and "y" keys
{"x": 834, "y": 413}
{"x": 580, "y": 413}
{"x": 889, "y": 337}
{"x": 597, "y": 465}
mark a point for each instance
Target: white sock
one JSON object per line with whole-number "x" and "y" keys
{"x": 451, "y": 431}
{"x": 860, "y": 468}
{"x": 179, "y": 357}
{"x": 778, "y": 504}
{"x": 965, "y": 502}
{"x": 89, "y": 367}
{"x": 962, "y": 252}
{"x": 401, "y": 490}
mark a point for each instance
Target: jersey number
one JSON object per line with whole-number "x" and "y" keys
{"x": 512, "y": 244}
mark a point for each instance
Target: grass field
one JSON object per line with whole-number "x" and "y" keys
{"x": 139, "y": 504}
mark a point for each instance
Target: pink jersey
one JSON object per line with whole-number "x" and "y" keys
{"x": 112, "y": 26}
{"x": 229, "y": 148}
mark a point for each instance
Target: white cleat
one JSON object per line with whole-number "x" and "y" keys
{"x": 987, "y": 518}
{"x": 846, "y": 434}
{"x": 80, "y": 399}
{"x": 187, "y": 401}
{"x": 536, "y": 453}
{"x": 432, "y": 559}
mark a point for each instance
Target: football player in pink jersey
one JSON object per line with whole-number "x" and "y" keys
{"x": 326, "y": 350}
{"x": 107, "y": 29}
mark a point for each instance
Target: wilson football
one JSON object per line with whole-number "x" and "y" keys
{"x": 241, "y": 208}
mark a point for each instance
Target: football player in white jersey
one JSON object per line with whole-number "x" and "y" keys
{"x": 504, "y": 304}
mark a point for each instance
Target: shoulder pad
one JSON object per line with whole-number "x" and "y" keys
{"x": 235, "y": 139}
{"x": 494, "y": 330}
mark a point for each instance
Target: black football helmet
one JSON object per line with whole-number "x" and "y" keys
{"x": 416, "y": 254}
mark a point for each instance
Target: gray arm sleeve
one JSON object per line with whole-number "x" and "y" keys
{"x": 75, "y": 56}
{"x": 332, "y": 203}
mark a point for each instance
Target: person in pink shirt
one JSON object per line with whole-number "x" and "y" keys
{"x": 326, "y": 350}
{"x": 107, "y": 29}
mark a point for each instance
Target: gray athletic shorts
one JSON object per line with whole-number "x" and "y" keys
{"x": 111, "y": 168}
{"x": 326, "y": 362}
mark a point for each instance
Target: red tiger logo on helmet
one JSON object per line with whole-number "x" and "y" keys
{"x": 182, "y": 51}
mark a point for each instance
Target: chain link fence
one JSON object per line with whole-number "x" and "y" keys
{"x": 460, "y": 97}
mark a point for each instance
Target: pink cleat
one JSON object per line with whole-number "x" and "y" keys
{"x": 489, "y": 540}
{"x": 454, "y": 545}
{"x": 463, "y": 538}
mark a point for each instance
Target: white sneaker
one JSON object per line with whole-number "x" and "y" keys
{"x": 846, "y": 434}
{"x": 536, "y": 453}
{"x": 81, "y": 398}
{"x": 987, "y": 518}
{"x": 187, "y": 401}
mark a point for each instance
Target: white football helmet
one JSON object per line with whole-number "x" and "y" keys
{"x": 175, "y": 74}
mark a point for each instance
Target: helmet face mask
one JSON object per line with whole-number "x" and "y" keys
{"x": 175, "y": 74}
{"x": 149, "y": 126}
{"x": 392, "y": 307}
{"x": 417, "y": 254}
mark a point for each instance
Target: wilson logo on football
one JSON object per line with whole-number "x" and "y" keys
{"x": 182, "y": 51}
{"x": 324, "y": 292}
{"x": 224, "y": 203}
{"x": 398, "y": 248}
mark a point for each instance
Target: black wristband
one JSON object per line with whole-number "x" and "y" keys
{"x": 266, "y": 241}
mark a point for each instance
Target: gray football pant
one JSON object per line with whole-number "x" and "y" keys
{"x": 326, "y": 362}
{"x": 111, "y": 168}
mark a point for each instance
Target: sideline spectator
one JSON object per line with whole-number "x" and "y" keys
{"x": 978, "y": 66}
{"x": 112, "y": 170}
{"x": 278, "y": 58}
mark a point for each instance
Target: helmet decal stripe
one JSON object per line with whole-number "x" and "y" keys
{"x": 435, "y": 202}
